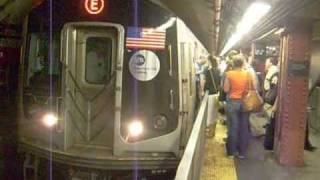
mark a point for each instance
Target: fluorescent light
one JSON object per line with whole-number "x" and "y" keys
{"x": 167, "y": 24}
{"x": 163, "y": 26}
{"x": 279, "y": 31}
{"x": 252, "y": 15}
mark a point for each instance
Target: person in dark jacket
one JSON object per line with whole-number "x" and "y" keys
{"x": 210, "y": 80}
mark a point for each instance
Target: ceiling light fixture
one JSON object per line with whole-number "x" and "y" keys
{"x": 252, "y": 15}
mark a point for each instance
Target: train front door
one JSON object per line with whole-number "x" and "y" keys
{"x": 90, "y": 53}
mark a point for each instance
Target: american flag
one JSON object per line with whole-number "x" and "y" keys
{"x": 145, "y": 38}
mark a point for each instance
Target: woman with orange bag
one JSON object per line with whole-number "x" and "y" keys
{"x": 236, "y": 86}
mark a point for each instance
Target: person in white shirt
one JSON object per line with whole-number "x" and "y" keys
{"x": 272, "y": 69}
{"x": 272, "y": 75}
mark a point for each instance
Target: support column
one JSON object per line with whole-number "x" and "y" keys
{"x": 293, "y": 92}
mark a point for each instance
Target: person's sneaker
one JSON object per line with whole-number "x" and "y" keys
{"x": 310, "y": 148}
{"x": 241, "y": 157}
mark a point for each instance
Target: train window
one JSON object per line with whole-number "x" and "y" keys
{"x": 42, "y": 65}
{"x": 98, "y": 60}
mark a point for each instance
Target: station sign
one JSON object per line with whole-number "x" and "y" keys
{"x": 299, "y": 67}
{"x": 94, "y": 6}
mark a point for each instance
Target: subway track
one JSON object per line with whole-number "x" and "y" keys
{"x": 9, "y": 161}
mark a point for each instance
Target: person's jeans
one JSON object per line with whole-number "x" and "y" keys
{"x": 238, "y": 128}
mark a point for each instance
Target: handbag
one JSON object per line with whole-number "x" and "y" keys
{"x": 251, "y": 101}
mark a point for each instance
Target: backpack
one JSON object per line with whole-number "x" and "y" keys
{"x": 271, "y": 95}
{"x": 211, "y": 84}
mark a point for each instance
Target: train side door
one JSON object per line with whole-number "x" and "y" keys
{"x": 90, "y": 57}
{"x": 188, "y": 90}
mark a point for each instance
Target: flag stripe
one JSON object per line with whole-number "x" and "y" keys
{"x": 134, "y": 44}
{"x": 154, "y": 37}
{"x": 153, "y": 33}
{"x": 148, "y": 38}
{"x": 143, "y": 46}
{"x": 146, "y": 42}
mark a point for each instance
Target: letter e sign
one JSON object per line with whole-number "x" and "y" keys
{"x": 94, "y": 6}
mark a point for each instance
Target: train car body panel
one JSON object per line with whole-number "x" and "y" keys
{"x": 150, "y": 97}
{"x": 102, "y": 79}
{"x": 189, "y": 49}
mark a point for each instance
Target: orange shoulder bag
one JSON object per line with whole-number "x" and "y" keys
{"x": 251, "y": 101}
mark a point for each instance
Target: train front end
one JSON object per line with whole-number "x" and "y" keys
{"x": 101, "y": 92}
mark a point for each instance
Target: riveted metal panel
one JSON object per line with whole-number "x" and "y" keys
{"x": 291, "y": 119}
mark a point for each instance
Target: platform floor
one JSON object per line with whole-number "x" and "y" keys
{"x": 216, "y": 165}
{"x": 259, "y": 165}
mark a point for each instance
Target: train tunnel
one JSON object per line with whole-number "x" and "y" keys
{"x": 99, "y": 89}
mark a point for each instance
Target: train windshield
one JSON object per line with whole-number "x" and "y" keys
{"x": 43, "y": 66}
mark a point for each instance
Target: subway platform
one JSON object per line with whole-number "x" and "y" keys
{"x": 259, "y": 163}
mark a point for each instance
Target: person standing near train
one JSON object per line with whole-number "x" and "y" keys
{"x": 236, "y": 85}
{"x": 209, "y": 81}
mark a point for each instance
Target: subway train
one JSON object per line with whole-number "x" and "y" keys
{"x": 106, "y": 86}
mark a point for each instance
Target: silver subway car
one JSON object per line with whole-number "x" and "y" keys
{"x": 106, "y": 93}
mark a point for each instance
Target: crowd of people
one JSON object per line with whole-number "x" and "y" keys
{"x": 227, "y": 82}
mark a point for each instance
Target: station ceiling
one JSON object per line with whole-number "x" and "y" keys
{"x": 197, "y": 14}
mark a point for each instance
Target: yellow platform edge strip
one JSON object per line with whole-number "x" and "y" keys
{"x": 216, "y": 165}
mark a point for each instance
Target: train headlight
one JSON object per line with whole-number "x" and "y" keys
{"x": 160, "y": 122}
{"x": 50, "y": 120}
{"x": 135, "y": 128}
